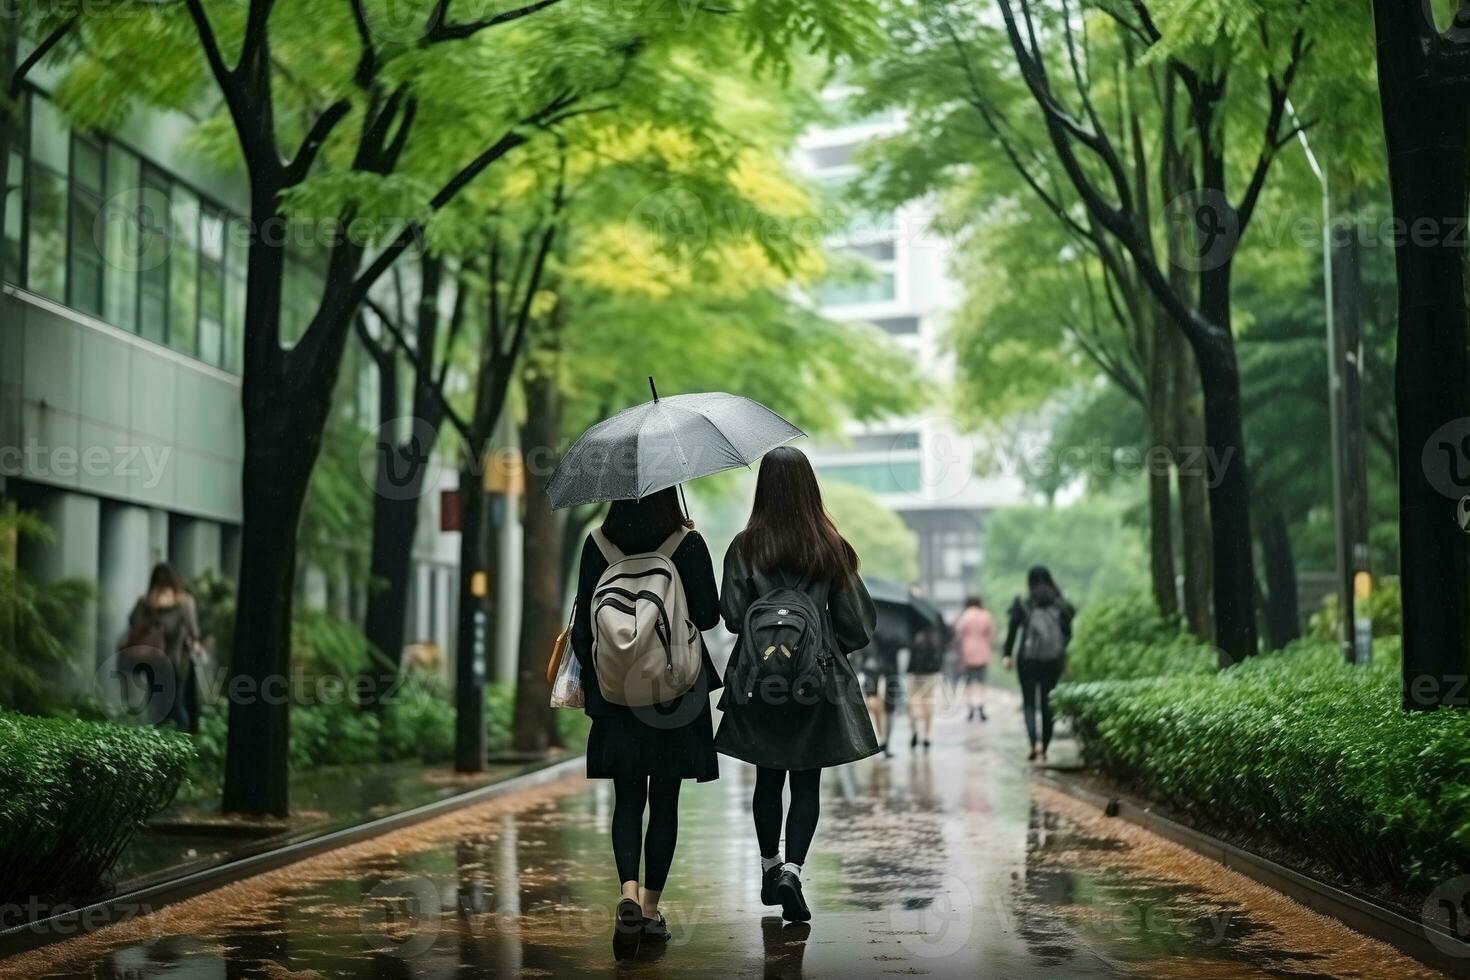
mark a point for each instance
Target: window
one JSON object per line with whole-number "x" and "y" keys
{"x": 237, "y": 253}
{"x": 211, "y": 285}
{"x": 898, "y": 324}
{"x": 874, "y": 290}
{"x": 46, "y": 209}
{"x": 120, "y": 237}
{"x": 13, "y": 187}
{"x": 827, "y": 157}
{"x": 183, "y": 272}
{"x": 156, "y": 234}
{"x": 898, "y": 476}
{"x": 84, "y": 280}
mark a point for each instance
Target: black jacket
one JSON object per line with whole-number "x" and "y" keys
{"x": 837, "y": 728}
{"x": 1021, "y": 612}
{"x": 696, "y": 573}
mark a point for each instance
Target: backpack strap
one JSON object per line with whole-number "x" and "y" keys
{"x": 609, "y": 550}
{"x": 671, "y": 543}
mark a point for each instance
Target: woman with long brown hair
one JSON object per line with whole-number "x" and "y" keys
{"x": 792, "y": 553}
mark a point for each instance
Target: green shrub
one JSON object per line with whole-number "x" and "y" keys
{"x": 39, "y": 625}
{"x": 72, "y": 793}
{"x": 1297, "y": 746}
{"x": 1125, "y": 637}
{"x": 1385, "y": 607}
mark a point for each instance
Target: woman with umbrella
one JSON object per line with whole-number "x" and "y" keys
{"x": 648, "y": 745}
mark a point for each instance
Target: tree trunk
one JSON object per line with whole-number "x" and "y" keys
{"x": 1233, "y": 562}
{"x": 542, "y": 583}
{"x": 1427, "y": 126}
{"x": 473, "y": 634}
{"x": 1194, "y": 500}
{"x": 1283, "y": 614}
{"x": 277, "y": 469}
{"x": 385, "y": 623}
{"x": 285, "y": 397}
{"x": 403, "y": 465}
{"x": 1229, "y": 494}
{"x": 1161, "y": 436}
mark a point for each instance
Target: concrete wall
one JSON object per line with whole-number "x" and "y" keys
{"x": 87, "y": 407}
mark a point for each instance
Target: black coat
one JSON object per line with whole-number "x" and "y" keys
{"x": 671, "y": 739}
{"x": 834, "y": 730}
{"x": 1020, "y": 615}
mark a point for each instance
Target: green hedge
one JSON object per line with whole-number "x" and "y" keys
{"x": 417, "y": 724}
{"x": 1124, "y": 637}
{"x": 71, "y": 795}
{"x": 1299, "y": 747}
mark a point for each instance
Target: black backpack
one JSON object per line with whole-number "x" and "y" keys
{"x": 783, "y": 654}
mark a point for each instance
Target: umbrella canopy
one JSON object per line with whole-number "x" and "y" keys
{"x": 656, "y": 445}
{"x": 902, "y": 613}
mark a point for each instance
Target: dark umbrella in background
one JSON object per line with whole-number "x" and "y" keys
{"x": 665, "y": 442}
{"x": 901, "y": 611}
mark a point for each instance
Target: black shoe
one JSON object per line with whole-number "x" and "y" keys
{"x": 793, "y": 903}
{"x": 768, "y": 885}
{"x": 927, "y": 745}
{"x": 982, "y": 713}
{"x": 1033, "y": 755}
{"x": 627, "y": 929}
{"x": 656, "y": 928}
{"x": 884, "y": 749}
{"x": 971, "y": 715}
{"x": 914, "y": 742}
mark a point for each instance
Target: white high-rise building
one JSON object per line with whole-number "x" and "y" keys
{"x": 921, "y": 466}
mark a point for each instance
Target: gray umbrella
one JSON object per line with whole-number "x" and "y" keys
{"x": 661, "y": 443}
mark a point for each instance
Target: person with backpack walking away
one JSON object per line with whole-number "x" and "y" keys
{"x": 163, "y": 634}
{"x": 792, "y": 703}
{"x": 974, "y": 635}
{"x": 926, "y": 661}
{"x": 645, "y": 593}
{"x": 1036, "y": 643}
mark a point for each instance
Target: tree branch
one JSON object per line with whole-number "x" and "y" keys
{"x": 316, "y": 137}
{"x": 42, "y": 50}
{"x": 440, "y": 29}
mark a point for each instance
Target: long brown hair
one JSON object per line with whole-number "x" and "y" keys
{"x": 788, "y": 527}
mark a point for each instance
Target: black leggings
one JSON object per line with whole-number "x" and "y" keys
{"x": 801, "y": 819}
{"x": 1037, "y": 680}
{"x": 630, "y": 795}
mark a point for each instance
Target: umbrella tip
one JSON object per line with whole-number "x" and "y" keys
{"x": 652, "y": 388}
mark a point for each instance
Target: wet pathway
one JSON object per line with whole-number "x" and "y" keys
{"x": 946, "y": 864}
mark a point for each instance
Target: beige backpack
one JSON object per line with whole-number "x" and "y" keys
{"x": 644, "y": 648}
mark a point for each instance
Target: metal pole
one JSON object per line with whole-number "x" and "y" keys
{"x": 1343, "y": 578}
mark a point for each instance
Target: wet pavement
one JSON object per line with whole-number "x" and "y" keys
{"x": 950, "y": 863}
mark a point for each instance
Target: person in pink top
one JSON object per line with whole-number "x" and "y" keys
{"x": 974, "y": 633}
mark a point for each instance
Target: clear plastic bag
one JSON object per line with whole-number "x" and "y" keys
{"x": 566, "y": 690}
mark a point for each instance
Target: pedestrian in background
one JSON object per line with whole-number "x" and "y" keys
{"x": 164, "y": 628}
{"x": 974, "y": 637}
{"x": 1036, "y": 643}
{"x": 926, "y": 660}
{"x": 647, "y": 752}
{"x": 792, "y": 703}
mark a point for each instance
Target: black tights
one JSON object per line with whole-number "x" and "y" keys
{"x": 801, "y": 819}
{"x": 661, "y": 795}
